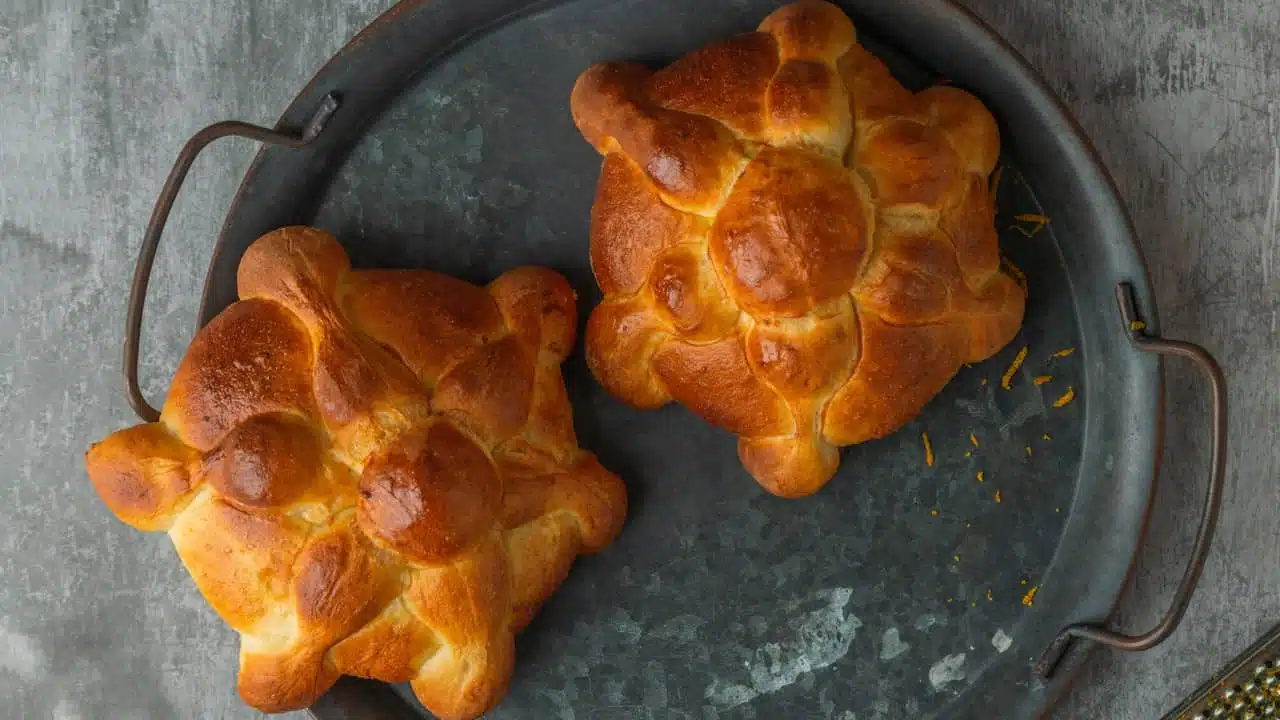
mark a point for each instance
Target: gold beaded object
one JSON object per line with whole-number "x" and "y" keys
{"x": 1247, "y": 689}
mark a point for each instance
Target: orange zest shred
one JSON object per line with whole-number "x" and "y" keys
{"x": 1067, "y": 397}
{"x": 1028, "y": 451}
{"x": 988, "y": 594}
{"x": 1006, "y": 381}
{"x": 1137, "y": 325}
{"x": 928, "y": 449}
{"x": 984, "y": 381}
{"x": 1037, "y": 223}
{"x": 1030, "y": 597}
{"x": 1007, "y": 265}
{"x": 979, "y": 476}
{"x": 1064, "y": 352}
{"x": 997, "y": 496}
{"x": 1042, "y": 379}
{"x": 934, "y": 512}
{"x": 973, "y": 439}
{"x": 1045, "y": 437}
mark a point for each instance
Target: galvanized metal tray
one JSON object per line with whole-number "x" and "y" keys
{"x": 440, "y": 137}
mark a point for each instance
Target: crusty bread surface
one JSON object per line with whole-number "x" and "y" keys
{"x": 370, "y": 473}
{"x": 790, "y": 243}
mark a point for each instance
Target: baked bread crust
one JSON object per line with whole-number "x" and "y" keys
{"x": 790, "y": 243}
{"x": 370, "y": 473}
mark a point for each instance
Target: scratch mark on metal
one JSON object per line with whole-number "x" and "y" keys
{"x": 1233, "y": 101}
{"x": 1273, "y": 204}
{"x": 1208, "y": 154}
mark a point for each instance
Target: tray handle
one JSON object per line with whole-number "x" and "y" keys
{"x": 160, "y": 216}
{"x": 1204, "y": 362}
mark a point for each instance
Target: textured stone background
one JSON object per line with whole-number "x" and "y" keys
{"x": 98, "y": 621}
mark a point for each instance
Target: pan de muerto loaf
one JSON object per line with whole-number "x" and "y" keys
{"x": 790, "y": 243}
{"x": 370, "y": 473}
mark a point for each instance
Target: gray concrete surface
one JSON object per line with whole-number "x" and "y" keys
{"x": 96, "y": 620}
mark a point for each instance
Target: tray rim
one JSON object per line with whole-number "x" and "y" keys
{"x": 1075, "y": 140}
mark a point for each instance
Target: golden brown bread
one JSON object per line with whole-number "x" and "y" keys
{"x": 370, "y": 473}
{"x": 790, "y": 243}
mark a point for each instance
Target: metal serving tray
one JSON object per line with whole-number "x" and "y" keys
{"x": 440, "y": 137}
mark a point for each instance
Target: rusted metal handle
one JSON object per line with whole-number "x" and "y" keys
{"x": 160, "y": 216}
{"x": 1052, "y": 655}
